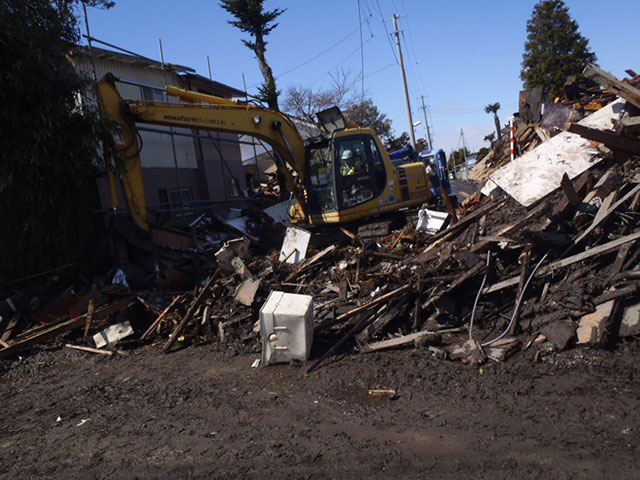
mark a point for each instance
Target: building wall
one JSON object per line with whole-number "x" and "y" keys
{"x": 199, "y": 165}
{"x": 157, "y": 151}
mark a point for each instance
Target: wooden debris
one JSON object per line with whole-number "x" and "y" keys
{"x": 610, "y": 82}
{"x": 599, "y": 250}
{"x": 89, "y": 349}
{"x": 87, "y": 325}
{"x": 159, "y": 318}
{"x": 189, "y": 314}
{"x": 57, "y": 329}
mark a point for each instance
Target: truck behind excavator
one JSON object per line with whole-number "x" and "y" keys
{"x": 341, "y": 176}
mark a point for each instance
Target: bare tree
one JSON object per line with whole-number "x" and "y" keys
{"x": 304, "y": 102}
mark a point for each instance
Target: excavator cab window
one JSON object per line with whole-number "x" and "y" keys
{"x": 356, "y": 170}
{"x": 320, "y": 174}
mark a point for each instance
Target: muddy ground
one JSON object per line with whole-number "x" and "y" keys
{"x": 203, "y": 412}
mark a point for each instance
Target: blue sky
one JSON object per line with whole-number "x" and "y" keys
{"x": 460, "y": 54}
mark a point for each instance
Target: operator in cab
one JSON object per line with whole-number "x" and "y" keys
{"x": 350, "y": 164}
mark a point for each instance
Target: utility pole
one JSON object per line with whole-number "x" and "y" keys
{"x": 404, "y": 80}
{"x": 426, "y": 123}
{"x": 464, "y": 148}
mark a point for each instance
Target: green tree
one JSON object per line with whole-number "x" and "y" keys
{"x": 365, "y": 114}
{"x": 48, "y": 141}
{"x": 554, "y": 48}
{"x": 397, "y": 143}
{"x": 493, "y": 108}
{"x": 250, "y": 17}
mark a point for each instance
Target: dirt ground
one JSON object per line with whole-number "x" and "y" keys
{"x": 203, "y": 412}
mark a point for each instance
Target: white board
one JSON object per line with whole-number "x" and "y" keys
{"x": 538, "y": 172}
{"x": 294, "y": 246}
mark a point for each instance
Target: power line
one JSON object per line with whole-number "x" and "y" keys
{"x": 339, "y": 63}
{"x": 388, "y": 35}
{"x": 359, "y": 27}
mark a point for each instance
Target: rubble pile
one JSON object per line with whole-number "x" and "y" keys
{"x": 549, "y": 270}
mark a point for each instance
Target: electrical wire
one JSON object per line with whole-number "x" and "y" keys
{"x": 386, "y": 31}
{"x": 515, "y": 310}
{"x": 475, "y": 303}
{"x": 359, "y": 27}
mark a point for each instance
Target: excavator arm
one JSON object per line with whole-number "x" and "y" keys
{"x": 215, "y": 113}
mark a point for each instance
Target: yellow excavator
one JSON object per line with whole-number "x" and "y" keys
{"x": 343, "y": 176}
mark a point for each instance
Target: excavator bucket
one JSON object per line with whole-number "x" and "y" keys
{"x": 332, "y": 119}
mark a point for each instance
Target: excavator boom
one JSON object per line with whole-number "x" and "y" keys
{"x": 341, "y": 178}
{"x": 217, "y": 114}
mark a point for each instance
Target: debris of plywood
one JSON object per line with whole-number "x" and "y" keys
{"x": 432, "y": 338}
{"x": 609, "y": 81}
{"x": 113, "y": 334}
{"x": 538, "y": 172}
{"x": 247, "y": 291}
{"x": 238, "y": 247}
{"x": 294, "y": 246}
{"x": 432, "y": 221}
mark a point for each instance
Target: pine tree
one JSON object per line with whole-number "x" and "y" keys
{"x": 554, "y": 48}
{"x": 253, "y": 19}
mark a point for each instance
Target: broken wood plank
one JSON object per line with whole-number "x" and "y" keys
{"x": 63, "y": 327}
{"x": 604, "y": 208}
{"x": 603, "y": 217}
{"x": 610, "y": 82}
{"x": 89, "y": 349}
{"x": 373, "y": 303}
{"x": 615, "y": 293}
{"x": 627, "y": 125}
{"x": 190, "y": 312}
{"x": 599, "y": 250}
{"x": 159, "y": 318}
{"x": 611, "y": 140}
{"x": 382, "y": 318}
{"x": 405, "y": 340}
{"x": 569, "y": 191}
{"x": 246, "y": 291}
{"x": 478, "y": 267}
{"x": 619, "y": 262}
{"x": 307, "y": 263}
{"x": 524, "y": 273}
{"x": 447, "y": 202}
{"x": 535, "y": 213}
{"x": 89, "y": 319}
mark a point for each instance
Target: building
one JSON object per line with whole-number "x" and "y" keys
{"x": 185, "y": 171}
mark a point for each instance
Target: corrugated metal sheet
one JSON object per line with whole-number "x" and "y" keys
{"x": 157, "y": 151}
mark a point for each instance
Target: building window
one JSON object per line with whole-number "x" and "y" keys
{"x": 149, "y": 93}
{"x": 179, "y": 201}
